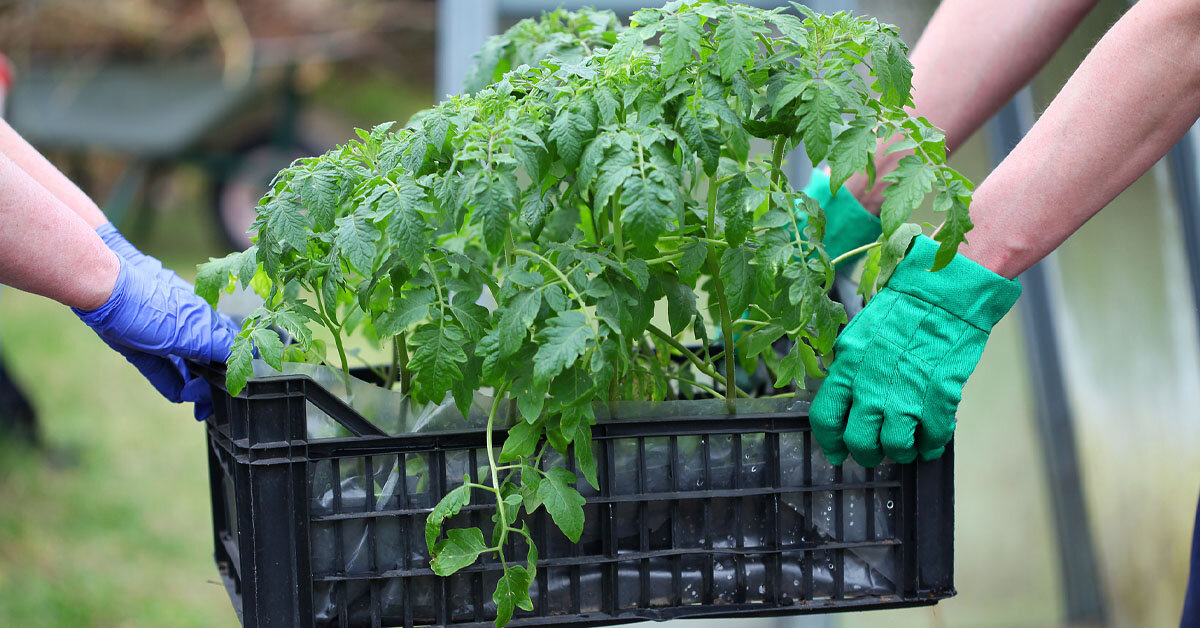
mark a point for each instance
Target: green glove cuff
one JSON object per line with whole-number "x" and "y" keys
{"x": 847, "y": 224}
{"x": 963, "y": 288}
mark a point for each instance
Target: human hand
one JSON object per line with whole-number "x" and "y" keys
{"x": 157, "y": 325}
{"x": 900, "y": 365}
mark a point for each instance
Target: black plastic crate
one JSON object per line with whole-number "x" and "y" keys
{"x": 700, "y": 516}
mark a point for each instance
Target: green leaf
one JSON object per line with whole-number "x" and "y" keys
{"x": 449, "y": 506}
{"x": 821, "y": 110}
{"x": 681, "y": 303}
{"x": 493, "y": 206}
{"x": 435, "y": 362}
{"x": 356, "y": 237}
{"x": 695, "y": 253}
{"x": 406, "y": 310}
{"x": 584, "y": 458}
{"x": 320, "y": 192}
{"x": 703, "y": 139}
{"x": 516, "y": 318}
{"x": 270, "y": 347}
{"x": 285, "y": 223}
{"x": 512, "y": 591}
{"x": 637, "y": 270}
{"x": 800, "y": 361}
{"x": 911, "y": 181}
{"x": 849, "y": 153}
{"x": 734, "y": 43}
{"x": 460, "y": 549}
{"x": 954, "y": 202}
{"x": 408, "y": 231}
{"x": 522, "y": 441}
{"x": 534, "y": 208}
{"x": 762, "y": 339}
{"x": 239, "y": 366}
{"x": 648, "y": 212}
{"x": 791, "y": 86}
{"x": 737, "y": 200}
{"x": 737, "y": 277}
{"x": 213, "y": 277}
{"x": 563, "y": 502}
{"x": 890, "y": 65}
{"x": 563, "y": 340}
{"x": 571, "y": 127}
{"x": 679, "y": 40}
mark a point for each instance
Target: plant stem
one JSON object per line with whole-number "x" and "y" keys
{"x": 852, "y": 252}
{"x": 695, "y": 383}
{"x": 491, "y": 454}
{"x": 712, "y": 208}
{"x": 700, "y": 238}
{"x": 731, "y": 389}
{"x": 395, "y": 369}
{"x": 402, "y": 364}
{"x": 691, "y": 357}
{"x": 664, "y": 259}
{"x": 618, "y": 239}
{"x": 777, "y": 162}
{"x": 578, "y": 296}
{"x": 336, "y": 330}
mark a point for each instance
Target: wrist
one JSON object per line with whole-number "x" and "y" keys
{"x": 97, "y": 282}
{"x": 963, "y": 288}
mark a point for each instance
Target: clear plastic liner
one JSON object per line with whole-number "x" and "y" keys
{"x": 732, "y": 528}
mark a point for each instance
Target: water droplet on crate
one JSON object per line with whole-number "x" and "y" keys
{"x": 795, "y": 583}
{"x": 762, "y": 590}
{"x": 830, "y": 566}
{"x": 753, "y": 468}
{"x": 890, "y": 505}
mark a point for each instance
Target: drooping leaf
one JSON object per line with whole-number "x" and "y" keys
{"x": 449, "y": 506}
{"x": 512, "y": 592}
{"x": 563, "y": 502}
{"x": 356, "y": 237}
{"x": 240, "y": 366}
{"x": 821, "y": 111}
{"x": 910, "y": 182}
{"x": 850, "y": 151}
{"x": 270, "y": 347}
{"x": 563, "y": 340}
{"x": 460, "y": 548}
{"x": 735, "y": 42}
{"x": 737, "y": 277}
{"x": 406, "y": 310}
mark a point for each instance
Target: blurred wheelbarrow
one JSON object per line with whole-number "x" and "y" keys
{"x": 240, "y": 131}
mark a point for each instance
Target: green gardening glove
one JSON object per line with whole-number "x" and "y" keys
{"x": 847, "y": 225}
{"x": 901, "y": 363}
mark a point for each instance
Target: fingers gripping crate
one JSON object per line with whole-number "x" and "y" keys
{"x": 700, "y": 516}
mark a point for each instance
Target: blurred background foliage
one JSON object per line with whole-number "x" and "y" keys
{"x": 107, "y": 524}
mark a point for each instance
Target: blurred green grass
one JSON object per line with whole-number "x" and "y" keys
{"x": 110, "y": 526}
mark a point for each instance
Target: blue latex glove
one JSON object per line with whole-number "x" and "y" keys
{"x": 122, "y": 247}
{"x": 169, "y": 375}
{"x": 157, "y": 325}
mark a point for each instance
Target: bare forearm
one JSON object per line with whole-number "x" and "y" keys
{"x": 44, "y": 172}
{"x": 972, "y": 58}
{"x": 1131, "y": 99}
{"x": 47, "y": 249}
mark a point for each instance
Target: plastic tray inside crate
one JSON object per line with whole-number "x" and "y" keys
{"x": 698, "y": 514}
